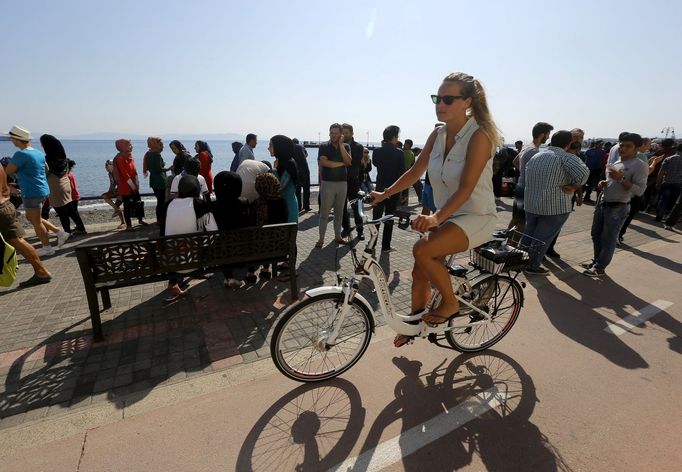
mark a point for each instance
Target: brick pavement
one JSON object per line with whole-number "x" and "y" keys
{"x": 49, "y": 364}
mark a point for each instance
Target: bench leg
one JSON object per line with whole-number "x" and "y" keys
{"x": 106, "y": 299}
{"x": 93, "y": 304}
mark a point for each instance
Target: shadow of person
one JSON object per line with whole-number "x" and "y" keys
{"x": 660, "y": 261}
{"x": 479, "y": 404}
{"x": 312, "y": 427}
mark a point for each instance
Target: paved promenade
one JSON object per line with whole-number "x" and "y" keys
{"x": 49, "y": 365}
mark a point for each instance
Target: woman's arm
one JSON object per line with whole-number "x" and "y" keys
{"x": 412, "y": 174}
{"x": 477, "y": 157}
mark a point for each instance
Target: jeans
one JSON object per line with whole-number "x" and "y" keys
{"x": 545, "y": 228}
{"x": 387, "y": 207}
{"x": 592, "y": 182}
{"x": 669, "y": 194}
{"x": 635, "y": 206}
{"x": 606, "y": 227}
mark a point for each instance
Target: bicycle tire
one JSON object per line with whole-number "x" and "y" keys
{"x": 502, "y": 297}
{"x": 295, "y": 347}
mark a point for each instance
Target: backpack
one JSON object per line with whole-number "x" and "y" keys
{"x": 8, "y": 264}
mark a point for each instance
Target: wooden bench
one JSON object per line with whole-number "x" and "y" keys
{"x": 106, "y": 266}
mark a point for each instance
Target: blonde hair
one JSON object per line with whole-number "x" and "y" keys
{"x": 472, "y": 88}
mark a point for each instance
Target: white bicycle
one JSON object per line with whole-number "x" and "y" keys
{"x": 328, "y": 331}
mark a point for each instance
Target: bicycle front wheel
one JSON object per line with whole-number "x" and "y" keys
{"x": 300, "y": 347}
{"x": 501, "y": 297}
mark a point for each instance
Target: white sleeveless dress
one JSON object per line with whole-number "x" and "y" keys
{"x": 478, "y": 215}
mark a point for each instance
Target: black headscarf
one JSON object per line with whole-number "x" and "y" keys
{"x": 181, "y": 157}
{"x": 55, "y": 156}
{"x": 189, "y": 187}
{"x": 229, "y": 210}
{"x": 283, "y": 148}
{"x": 203, "y": 146}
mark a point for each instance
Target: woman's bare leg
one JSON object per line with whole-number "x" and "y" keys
{"x": 421, "y": 289}
{"x": 33, "y": 215}
{"x": 429, "y": 254}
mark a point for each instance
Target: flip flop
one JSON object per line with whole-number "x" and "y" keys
{"x": 444, "y": 319}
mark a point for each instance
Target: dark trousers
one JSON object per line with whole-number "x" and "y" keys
{"x": 129, "y": 204}
{"x": 351, "y": 194}
{"x": 160, "y": 194}
{"x": 69, "y": 212}
{"x": 303, "y": 192}
{"x": 674, "y": 215}
{"x": 592, "y": 182}
{"x": 635, "y": 206}
{"x": 387, "y": 207}
{"x": 669, "y": 194}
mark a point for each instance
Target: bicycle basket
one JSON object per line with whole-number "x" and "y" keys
{"x": 510, "y": 255}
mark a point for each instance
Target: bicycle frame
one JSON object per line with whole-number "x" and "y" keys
{"x": 369, "y": 268}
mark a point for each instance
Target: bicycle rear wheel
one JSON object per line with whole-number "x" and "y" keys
{"x": 502, "y": 298}
{"x": 299, "y": 348}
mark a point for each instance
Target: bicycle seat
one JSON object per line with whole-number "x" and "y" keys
{"x": 457, "y": 270}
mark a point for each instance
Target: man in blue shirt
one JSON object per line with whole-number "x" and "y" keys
{"x": 594, "y": 158}
{"x": 390, "y": 164}
{"x": 29, "y": 165}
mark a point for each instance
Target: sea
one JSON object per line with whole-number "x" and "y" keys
{"x": 90, "y": 156}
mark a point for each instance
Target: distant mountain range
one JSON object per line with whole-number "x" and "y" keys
{"x": 99, "y": 136}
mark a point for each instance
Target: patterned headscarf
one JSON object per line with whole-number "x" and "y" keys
{"x": 268, "y": 188}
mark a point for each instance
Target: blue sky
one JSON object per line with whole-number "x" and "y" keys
{"x": 153, "y": 67}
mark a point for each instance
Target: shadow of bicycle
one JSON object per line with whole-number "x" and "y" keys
{"x": 480, "y": 404}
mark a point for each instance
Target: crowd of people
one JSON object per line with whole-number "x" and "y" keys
{"x": 464, "y": 151}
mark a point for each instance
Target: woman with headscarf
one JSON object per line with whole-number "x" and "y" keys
{"x": 153, "y": 165}
{"x": 57, "y": 179}
{"x": 236, "y": 147}
{"x": 125, "y": 174}
{"x": 206, "y": 158}
{"x": 229, "y": 210}
{"x": 282, "y": 148}
{"x": 186, "y": 214}
{"x": 268, "y": 209}
{"x": 181, "y": 156}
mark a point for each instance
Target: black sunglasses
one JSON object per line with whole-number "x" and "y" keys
{"x": 447, "y": 99}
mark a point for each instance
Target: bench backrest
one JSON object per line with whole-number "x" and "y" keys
{"x": 140, "y": 258}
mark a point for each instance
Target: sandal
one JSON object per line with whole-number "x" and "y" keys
{"x": 443, "y": 319}
{"x": 319, "y": 244}
{"x": 400, "y": 340}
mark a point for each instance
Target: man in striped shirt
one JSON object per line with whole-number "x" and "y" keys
{"x": 552, "y": 176}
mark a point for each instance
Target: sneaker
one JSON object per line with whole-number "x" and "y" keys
{"x": 538, "y": 271}
{"x": 46, "y": 251}
{"x": 668, "y": 227}
{"x": 620, "y": 241}
{"x": 361, "y": 237}
{"x": 62, "y": 236}
{"x": 390, "y": 249}
{"x": 594, "y": 272}
{"x": 587, "y": 265}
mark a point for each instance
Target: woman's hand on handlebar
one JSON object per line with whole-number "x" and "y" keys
{"x": 377, "y": 197}
{"x": 424, "y": 223}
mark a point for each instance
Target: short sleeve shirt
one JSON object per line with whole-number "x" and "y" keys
{"x": 31, "y": 173}
{"x": 335, "y": 174}
{"x": 176, "y": 182}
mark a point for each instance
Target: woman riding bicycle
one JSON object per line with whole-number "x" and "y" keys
{"x": 458, "y": 158}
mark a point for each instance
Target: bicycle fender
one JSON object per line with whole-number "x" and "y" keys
{"x": 339, "y": 290}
